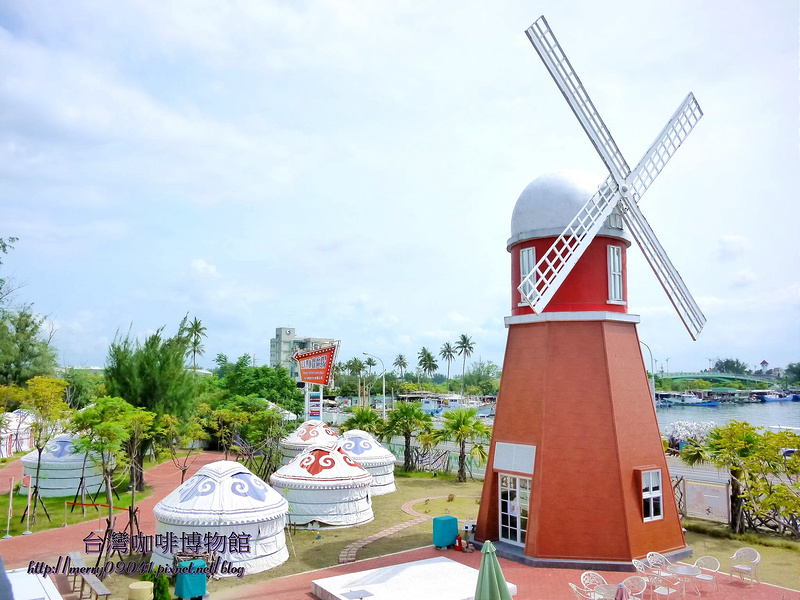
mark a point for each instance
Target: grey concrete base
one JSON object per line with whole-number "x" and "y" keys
{"x": 515, "y": 553}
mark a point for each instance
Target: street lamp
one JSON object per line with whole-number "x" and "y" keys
{"x": 668, "y": 367}
{"x": 709, "y": 364}
{"x": 383, "y": 378}
{"x": 652, "y": 370}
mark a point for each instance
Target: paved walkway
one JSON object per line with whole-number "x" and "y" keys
{"x": 12, "y": 469}
{"x": 48, "y": 545}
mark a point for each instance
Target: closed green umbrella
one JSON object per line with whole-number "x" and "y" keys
{"x": 491, "y": 583}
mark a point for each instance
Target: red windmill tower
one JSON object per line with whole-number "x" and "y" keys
{"x": 576, "y": 473}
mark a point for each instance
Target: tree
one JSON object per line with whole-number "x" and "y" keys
{"x": 401, "y": 363}
{"x": 731, "y": 365}
{"x": 24, "y": 353}
{"x": 726, "y": 447}
{"x": 176, "y": 435}
{"x": 152, "y": 376}
{"x": 273, "y": 384}
{"x": 793, "y": 373}
{"x": 406, "y": 419}
{"x": 365, "y": 419}
{"x": 369, "y": 363}
{"x": 465, "y": 347}
{"x": 462, "y": 425}
{"x": 427, "y": 362}
{"x": 196, "y": 333}
{"x": 102, "y": 429}
{"x": 483, "y": 376}
{"x": 84, "y": 387}
{"x": 45, "y": 400}
{"x": 448, "y": 354}
{"x": 6, "y": 288}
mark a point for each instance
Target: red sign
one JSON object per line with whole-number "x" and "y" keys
{"x": 316, "y": 365}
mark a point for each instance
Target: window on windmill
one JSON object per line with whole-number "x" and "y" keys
{"x": 615, "y": 274}
{"x": 652, "y": 495}
{"x": 527, "y": 260}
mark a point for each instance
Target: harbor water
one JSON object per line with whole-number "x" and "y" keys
{"x": 760, "y": 414}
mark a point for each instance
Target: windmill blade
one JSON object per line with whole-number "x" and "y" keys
{"x": 665, "y": 145}
{"x": 538, "y": 286}
{"x": 571, "y": 87}
{"x": 677, "y": 292}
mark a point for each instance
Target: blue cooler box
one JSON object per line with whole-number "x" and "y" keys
{"x": 191, "y": 585}
{"x": 445, "y": 530}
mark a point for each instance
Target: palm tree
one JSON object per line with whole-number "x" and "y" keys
{"x": 370, "y": 362}
{"x": 726, "y": 447}
{"x": 448, "y": 353}
{"x": 462, "y": 425}
{"x": 464, "y": 347}
{"x": 406, "y": 419}
{"x": 401, "y": 363}
{"x": 196, "y": 333}
{"x": 356, "y": 368}
{"x": 363, "y": 418}
{"x": 427, "y": 362}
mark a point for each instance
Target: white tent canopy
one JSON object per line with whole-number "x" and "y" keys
{"x": 310, "y": 433}
{"x": 61, "y": 469}
{"x": 368, "y": 452}
{"x": 326, "y": 486}
{"x": 221, "y": 499}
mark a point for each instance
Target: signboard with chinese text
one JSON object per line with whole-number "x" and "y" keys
{"x": 316, "y": 365}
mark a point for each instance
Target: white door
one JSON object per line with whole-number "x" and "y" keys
{"x": 515, "y": 493}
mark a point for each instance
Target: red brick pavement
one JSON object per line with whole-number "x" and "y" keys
{"x": 12, "y": 469}
{"x": 49, "y": 545}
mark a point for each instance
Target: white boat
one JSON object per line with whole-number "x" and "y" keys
{"x": 685, "y": 399}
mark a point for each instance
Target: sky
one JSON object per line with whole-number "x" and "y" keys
{"x": 350, "y": 168}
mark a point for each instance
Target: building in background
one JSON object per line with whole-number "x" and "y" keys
{"x": 284, "y": 345}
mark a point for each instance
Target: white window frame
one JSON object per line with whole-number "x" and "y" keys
{"x": 652, "y": 495}
{"x": 527, "y": 261}
{"x": 616, "y": 294}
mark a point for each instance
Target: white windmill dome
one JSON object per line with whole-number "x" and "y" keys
{"x": 550, "y": 202}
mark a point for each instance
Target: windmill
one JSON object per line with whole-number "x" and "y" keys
{"x": 576, "y": 474}
{"x": 621, "y": 190}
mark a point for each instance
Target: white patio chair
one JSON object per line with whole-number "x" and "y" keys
{"x": 582, "y": 594}
{"x": 659, "y": 563}
{"x": 642, "y": 567}
{"x": 589, "y": 579}
{"x": 636, "y": 585}
{"x": 744, "y": 563}
{"x": 661, "y": 587}
{"x": 710, "y": 567}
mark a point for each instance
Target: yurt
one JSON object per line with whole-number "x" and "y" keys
{"x": 61, "y": 469}
{"x": 221, "y": 499}
{"x": 368, "y": 452}
{"x": 310, "y": 433}
{"x": 325, "y": 486}
{"x": 16, "y": 434}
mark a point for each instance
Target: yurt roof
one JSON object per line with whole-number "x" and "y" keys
{"x": 321, "y": 468}
{"x": 363, "y": 448}
{"x": 58, "y": 452}
{"x": 311, "y": 433}
{"x": 221, "y": 493}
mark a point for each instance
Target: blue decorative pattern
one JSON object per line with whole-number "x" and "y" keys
{"x": 247, "y": 484}
{"x": 61, "y": 447}
{"x": 356, "y": 445}
{"x": 203, "y": 486}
